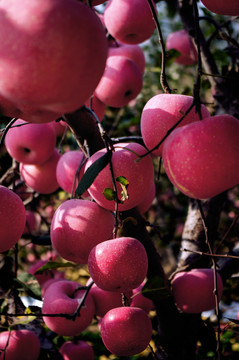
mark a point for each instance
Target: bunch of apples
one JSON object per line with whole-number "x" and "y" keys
{"x": 71, "y": 61}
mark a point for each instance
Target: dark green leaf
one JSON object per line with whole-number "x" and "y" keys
{"x": 28, "y": 283}
{"x": 92, "y": 172}
{"x": 109, "y": 194}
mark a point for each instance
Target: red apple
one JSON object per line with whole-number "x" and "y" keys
{"x": 163, "y": 111}
{"x": 201, "y": 159}
{"x": 145, "y": 204}
{"x": 121, "y": 82}
{"x": 60, "y": 54}
{"x": 194, "y": 290}
{"x": 139, "y": 174}
{"x": 42, "y": 178}
{"x": 13, "y": 218}
{"x": 76, "y": 350}
{"x": 69, "y": 164}
{"x": 18, "y": 344}
{"x": 182, "y": 42}
{"x": 62, "y": 297}
{"x": 22, "y": 142}
{"x": 126, "y": 331}
{"x": 133, "y": 52}
{"x": 130, "y": 22}
{"x": 229, "y": 7}
{"x": 106, "y": 300}
{"x": 73, "y": 229}
{"x": 26, "y": 112}
{"x": 119, "y": 264}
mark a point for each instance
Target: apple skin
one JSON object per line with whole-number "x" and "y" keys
{"x": 42, "y": 177}
{"x": 161, "y": 112}
{"x": 130, "y": 22}
{"x": 126, "y": 331}
{"x": 201, "y": 159}
{"x": 181, "y": 41}
{"x": 61, "y": 297}
{"x": 66, "y": 169}
{"x": 194, "y": 290}
{"x": 23, "y": 144}
{"x": 119, "y": 264}
{"x": 13, "y": 218}
{"x": 222, "y": 7}
{"x": 24, "y": 343}
{"x": 106, "y": 300}
{"x": 139, "y": 174}
{"x": 121, "y": 82}
{"x": 75, "y": 351}
{"x": 26, "y": 112}
{"x": 73, "y": 229}
{"x": 133, "y": 52}
{"x": 60, "y": 54}
{"x": 145, "y": 204}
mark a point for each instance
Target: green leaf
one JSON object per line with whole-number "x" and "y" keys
{"x": 28, "y": 283}
{"x": 122, "y": 180}
{"x": 155, "y": 289}
{"x": 109, "y": 194}
{"x": 92, "y": 172}
{"x": 51, "y": 265}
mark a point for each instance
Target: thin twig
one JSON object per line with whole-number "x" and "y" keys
{"x": 163, "y": 78}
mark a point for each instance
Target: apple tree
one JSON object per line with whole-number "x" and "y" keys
{"x": 119, "y": 179}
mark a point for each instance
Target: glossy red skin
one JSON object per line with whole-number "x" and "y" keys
{"x": 163, "y": 111}
{"x": 22, "y": 344}
{"x": 133, "y": 52}
{"x": 74, "y": 231}
{"x": 126, "y": 331}
{"x": 181, "y": 41}
{"x": 201, "y": 159}
{"x": 121, "y": 82}
{"x": 42, "y": 178}
{"x": 60, "y": 54}
{"x": 194, "y": 290}
{"x": 13, "y": 218}
{"x": 75, "y": 351}
{"x": 106, "y": 300}
{"x": 66, "y": 169}
{"x": 61, "y": 298}
{"x": 147, "y": 200}
{"x": 130, "y": 22}
{"x": 140, "y": 175}
{"x": 229, "y": 7}
{"x": 20, "y": 138}
{"x": 119, "y": 264}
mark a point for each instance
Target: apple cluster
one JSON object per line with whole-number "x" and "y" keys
{"x": 63, "y": 45}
